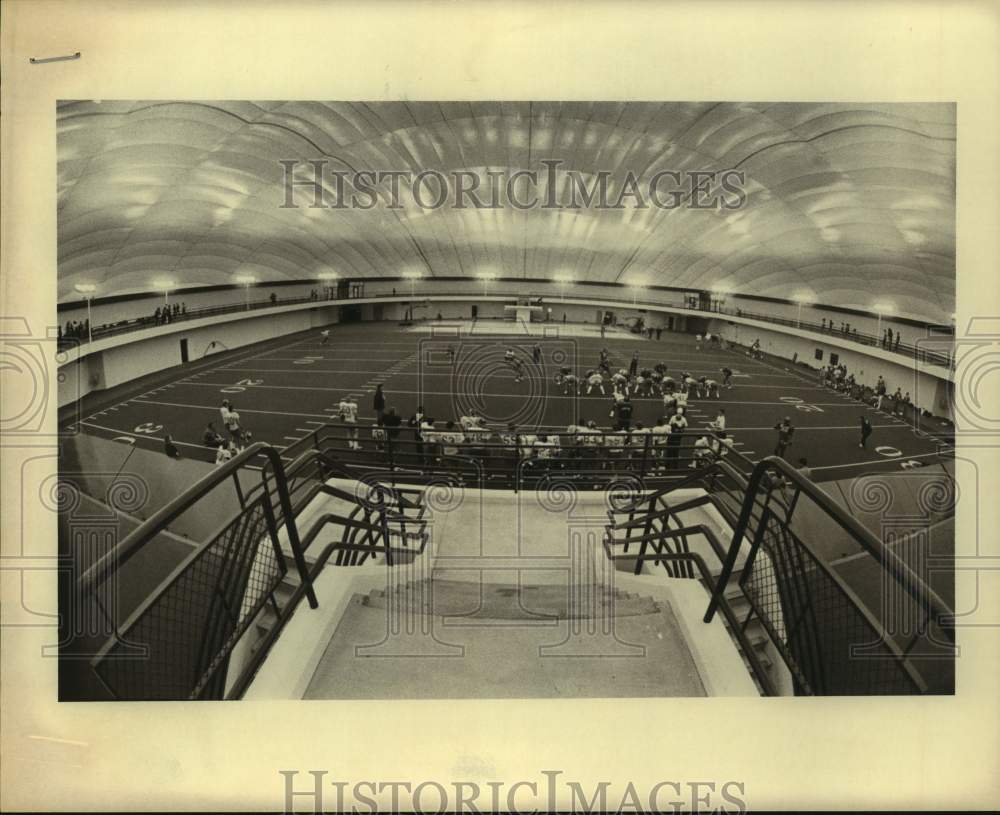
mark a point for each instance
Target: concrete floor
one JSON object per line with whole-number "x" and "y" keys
{"x": 514, "y": 598}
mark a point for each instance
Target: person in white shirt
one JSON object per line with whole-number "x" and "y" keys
{"x": 660, "y": 434}
{"x": 615, "y": 442}
{"x": 719, "y": 423}
{"x": 677, "y": 424}
{"x": 348, "y": 409}
{"x": 544, "y": 447}
{"x": 451, "y": 439}
{"x": 712, "y": 388}
{"x": 702, "y": 453}
{"x": 619, "y": 381}
{"x": 595, "y": 380}
{"x": 722, "y": 444}
{"x": 231, "y": 419}
{"x": 325, "y": 335}
{"x": 697, "y": 342}
{"x": 429, "y": 436}
{"x": 223, "y": 454}
{"x": 637, "y": 443}
{"x": 527, "y": 442}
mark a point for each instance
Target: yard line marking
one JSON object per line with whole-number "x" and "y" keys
{"x": 144, "y": 436}
{"x": 543, "y": 378}
{"x": 293, "y": 438}
{"x": 870, "y": 462}
{"x": 215, "y": 408}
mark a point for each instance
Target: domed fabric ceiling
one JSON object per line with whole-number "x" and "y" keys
{"x": 846, "y": 202}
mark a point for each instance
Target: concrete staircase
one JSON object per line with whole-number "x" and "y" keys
{"x": 755, "y": 633}
{"x": 439, "y": 638}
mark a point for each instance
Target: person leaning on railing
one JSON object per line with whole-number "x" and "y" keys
{"x": 430, "y": 438}
{"x": 638, "y": 442}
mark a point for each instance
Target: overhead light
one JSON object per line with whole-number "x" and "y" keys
{"x": 883, "y": 308}
{"x": 85, "y": 288}
{"x": 486, "y": 275}
{"x": 164, "y": 285}
{"x": 563, "y": 277}
{"x": 327, "y": 276}
{"x": 804, "y": 298}
{"x": 245, "y": 279}
{"x": 722, "y": 289}
{"x": 638, "y": 284}
{"x": 413, "y": 274}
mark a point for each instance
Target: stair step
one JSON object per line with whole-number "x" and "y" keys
{"x": 502, "y": 601}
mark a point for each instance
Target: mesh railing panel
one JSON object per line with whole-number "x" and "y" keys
{"x": 816, "y": 625}
{"x": 190, "y": 628}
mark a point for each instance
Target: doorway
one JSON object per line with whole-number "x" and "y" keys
{"x": 184, "y": 350}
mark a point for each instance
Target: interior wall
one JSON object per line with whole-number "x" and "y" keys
{"x": 552, "y": 292}
{"x": 152, "y": 479}
{"x": 866, "y": 365}
{"x": 126, "y": 362}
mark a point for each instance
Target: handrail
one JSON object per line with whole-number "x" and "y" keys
{"x": 98, "y": 573}
{"x": 889, "y": 560}
{"x": 861, "y": 338}
{"x": 736, "y": 630}
{"x": 242, "y": 682}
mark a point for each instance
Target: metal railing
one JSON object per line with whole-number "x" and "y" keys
{"x": 99, "y": 332}
{"x": 829, "y": 640}
{"x": 178, "y": 643}
{"x": 510, "y": 459}
{"x": 944, "y": 358}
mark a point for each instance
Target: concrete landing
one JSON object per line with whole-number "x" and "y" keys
{"x": 514, "y": 597}
{"x": 507, "y": 643}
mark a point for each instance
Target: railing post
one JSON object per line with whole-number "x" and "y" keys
{"x": 292, "y": 530}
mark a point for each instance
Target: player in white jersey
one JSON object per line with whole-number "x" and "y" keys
{"x": 348, "y": 409}
{"x": 231, "y": 420}
{"x": 712, "y": 388}
{"x": 619, "y": 380}
{"x": 719, "y": 423}
{"x": 468, "y": 422}
{"x": 721, "y": 444}
{"x": 325, "y": 336}
{"x": 595, "y": 380}
{"x": 702, "y": 453}
{"x": 660, "y": 434}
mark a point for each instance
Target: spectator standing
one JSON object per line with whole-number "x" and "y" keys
{"x": 785, "y": 433}
{"x": 678, "y": 424}
{"x": 170, "y": 448}
{"x": 866, "y": 431}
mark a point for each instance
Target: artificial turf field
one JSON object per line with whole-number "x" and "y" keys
{"x": 286, "y": 389}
